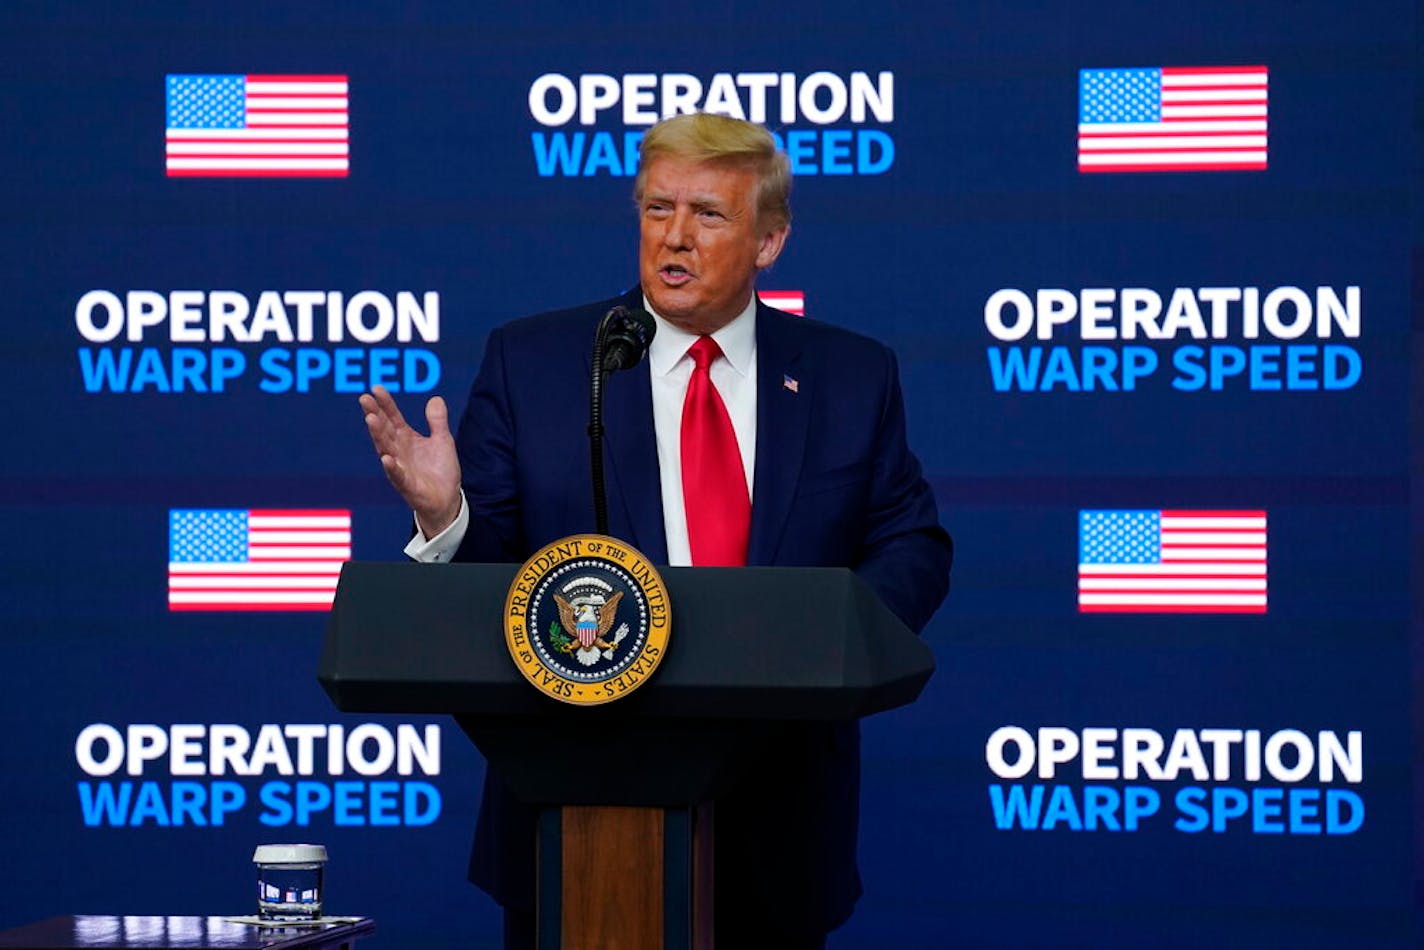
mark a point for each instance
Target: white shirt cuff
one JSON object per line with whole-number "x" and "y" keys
{"x": 441, "y": 548}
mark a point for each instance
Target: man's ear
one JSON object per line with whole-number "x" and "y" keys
{"x": 771, "y": 244}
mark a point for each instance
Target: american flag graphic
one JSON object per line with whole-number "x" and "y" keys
{"x": 262, "y": 559}
{"x": 1172, "y": 119}
{"x": 1172, "y": 562}
{"x": 792, "y": 301}
{"x": 224, "y": 126}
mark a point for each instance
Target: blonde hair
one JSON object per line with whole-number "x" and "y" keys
{"x": 704, "y": 137}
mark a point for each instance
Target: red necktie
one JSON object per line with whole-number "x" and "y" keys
{"x": 714, "y": 485}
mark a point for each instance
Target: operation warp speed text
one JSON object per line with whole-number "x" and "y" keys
{"x": 357, "y": 775}
{"x": 295, "y": 341}
{"x": 1200, "y": 339}
{"x": 827, "y": 123}
{"x": 1219, "y": 780}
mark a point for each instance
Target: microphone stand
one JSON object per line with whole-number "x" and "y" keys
{"x": 595, "y": 425}
{"x": 620, "y": 342}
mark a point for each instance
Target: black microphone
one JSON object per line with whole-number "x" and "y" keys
{"x": 627, "y": 334}
{"x": 621, "y": 340}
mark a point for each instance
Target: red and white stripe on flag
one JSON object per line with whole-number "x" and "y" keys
{"x": 792, "y": 301}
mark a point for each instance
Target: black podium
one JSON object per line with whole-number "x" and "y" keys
{"x": 626, "y": 806}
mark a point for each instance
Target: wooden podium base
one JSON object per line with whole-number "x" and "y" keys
{"x": 625, "y": 877}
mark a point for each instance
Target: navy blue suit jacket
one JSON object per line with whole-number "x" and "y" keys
{"x": 835, "y": 485}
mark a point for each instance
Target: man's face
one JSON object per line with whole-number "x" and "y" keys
{"x": 701, "y": 244}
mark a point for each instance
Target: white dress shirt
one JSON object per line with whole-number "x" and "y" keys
{"x": 670, "y": 368}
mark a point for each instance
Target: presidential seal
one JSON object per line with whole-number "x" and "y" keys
{"x": 587, "y": 619}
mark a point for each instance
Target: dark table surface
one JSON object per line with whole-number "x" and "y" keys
{"x": 169, "y": 933}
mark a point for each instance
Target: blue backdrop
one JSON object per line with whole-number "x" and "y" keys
{"x": 1207, "y": 339}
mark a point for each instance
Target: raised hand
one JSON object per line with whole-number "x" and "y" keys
{"x": 424, "y": 469}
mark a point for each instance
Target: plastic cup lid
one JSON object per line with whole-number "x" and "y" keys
{"x": 289, "y": 853}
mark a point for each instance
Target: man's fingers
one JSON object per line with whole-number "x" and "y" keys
{"x": 385, "y": 405}
{"x": 384, "y": 422}
{"x": 395, "y": 472}
{"x": 437, "y": 416}
{"x": 380, "y": 433}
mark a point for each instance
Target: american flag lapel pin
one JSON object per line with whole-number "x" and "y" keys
{"x": 790, "y": 384}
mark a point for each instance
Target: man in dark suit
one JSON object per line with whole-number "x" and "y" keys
{"x": 753, "y": 437}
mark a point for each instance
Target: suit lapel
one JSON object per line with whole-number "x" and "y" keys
{"x": 631, "y": 453}
{"x": 783, "y": 415}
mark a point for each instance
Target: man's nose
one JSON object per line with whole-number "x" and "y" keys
{"x": 678, "y": 235}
